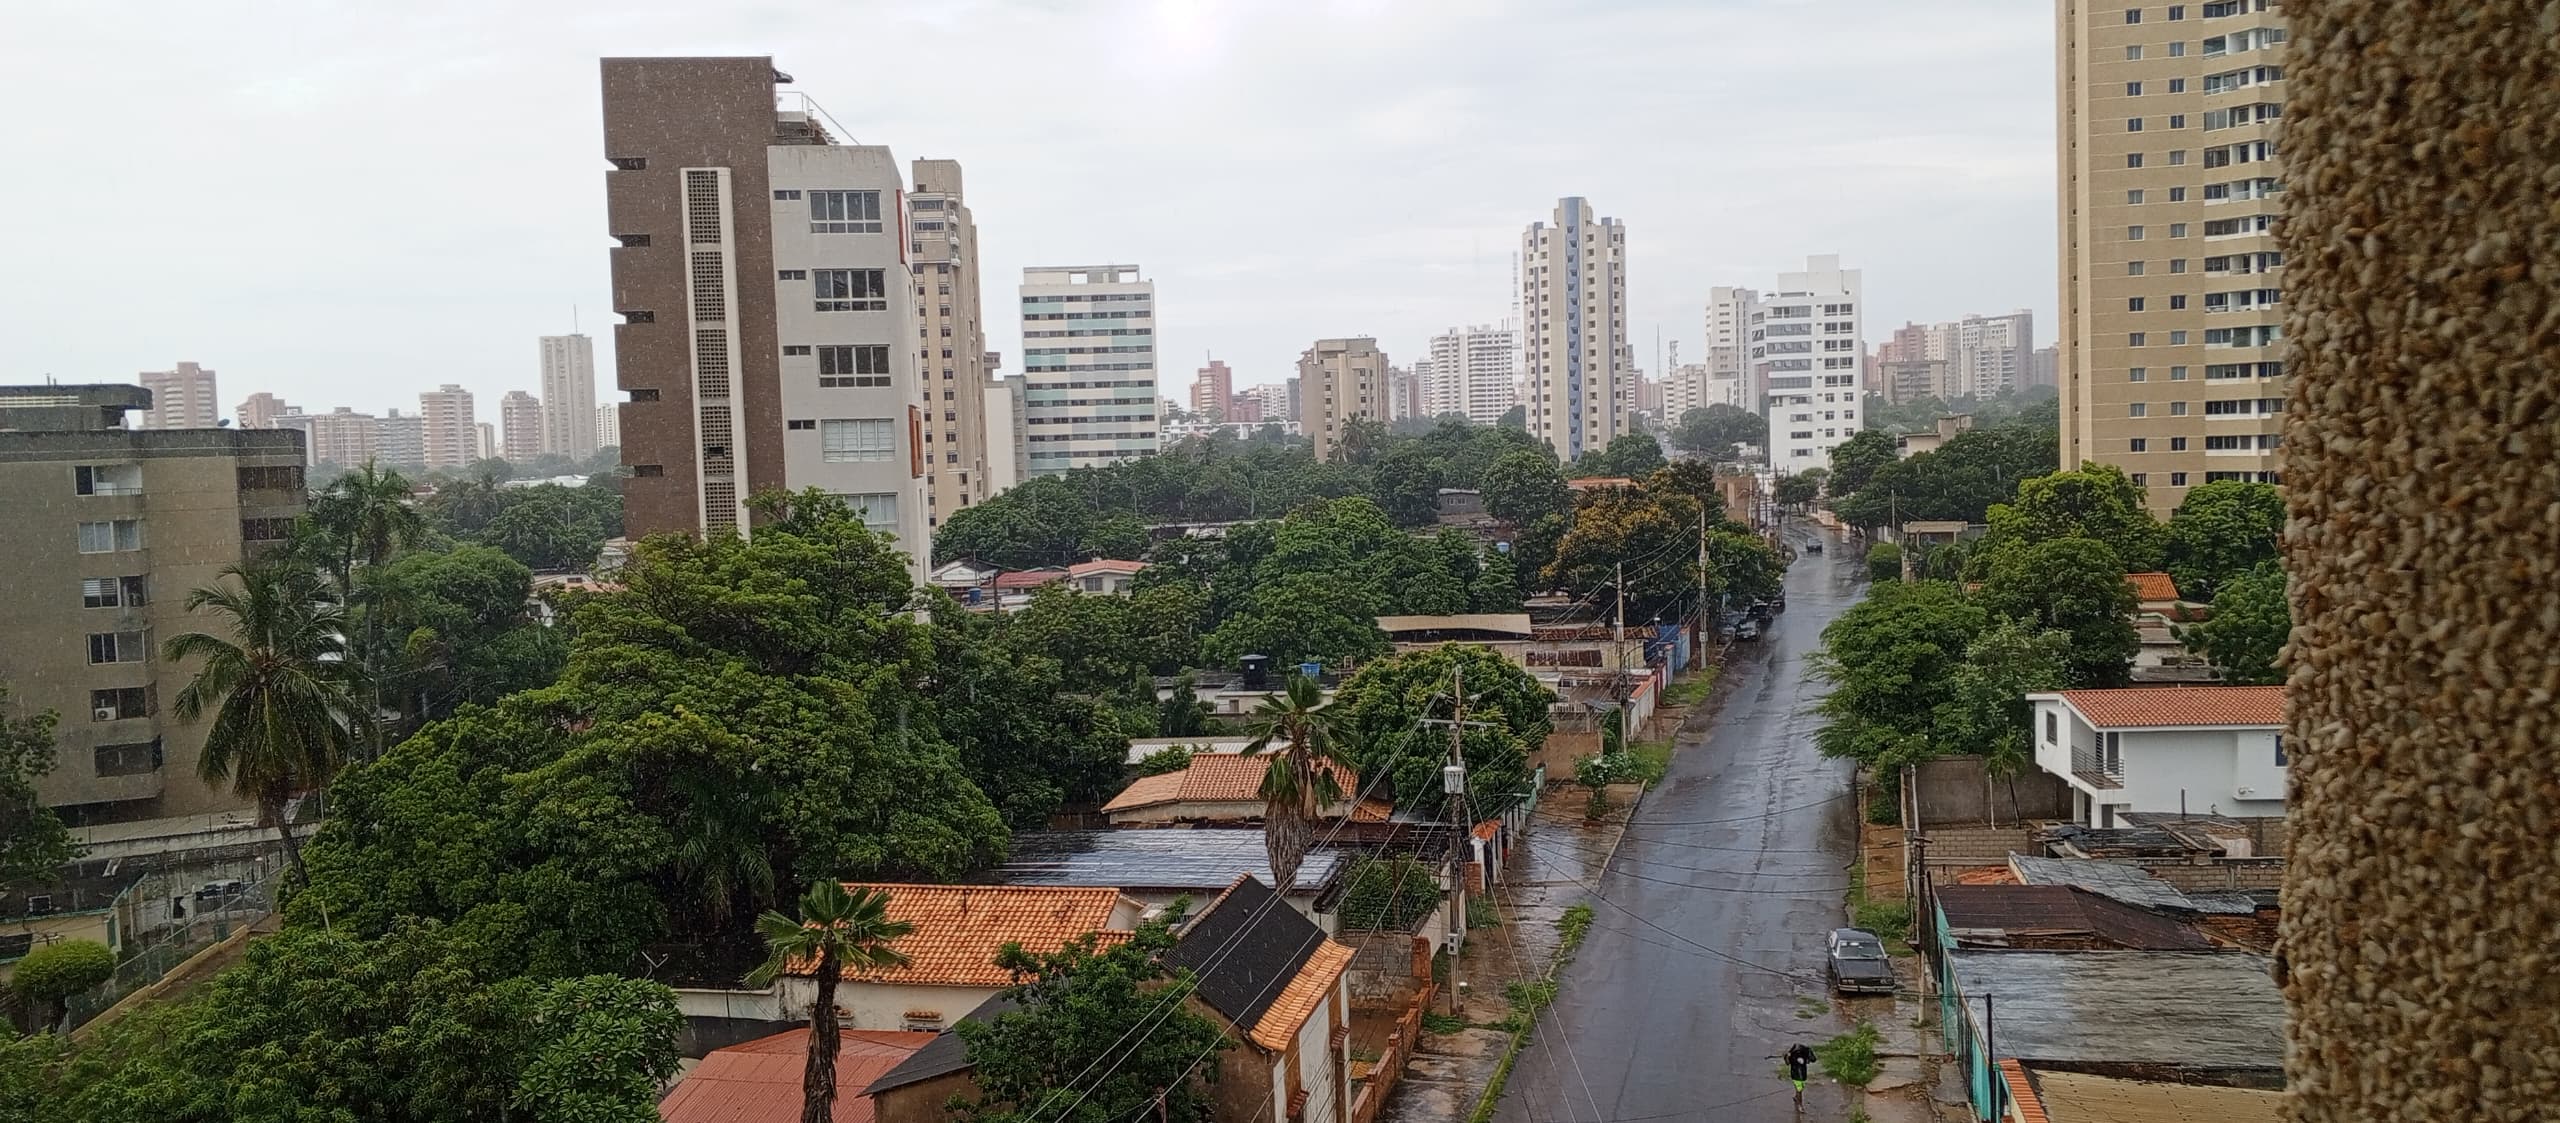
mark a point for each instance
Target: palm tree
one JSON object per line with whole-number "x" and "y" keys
{"x": 283, "y": 723}
{"x": 837, "y": 928}
{"x": 369, "y": 514}
{"x": 1300, "y": 781}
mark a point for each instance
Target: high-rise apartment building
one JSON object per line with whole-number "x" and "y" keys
{"x": 1986, "y": 356}
{"x": 259, "y": 411}
{"x": 110, "y": 529}
{"x": 1729, "y": 344}
{"x": 1404, "y": 394}
{"x": 767, "y": 302}
{"x": 1341, "y": 381}
{"x": 182, "y": 397}
{"x": 1574, "y": 295}
{"x": 1245, "y": 406}
{"x": 1089, "y": 355}
{"x": 342, "y": 437}
{"x": 452, "y": 428}
{"x": 1212, "y": 387}
{"x": 521, "y": 424}
{"x": 2170, "y": 360}
{"x": 1277, "y": 401}
{"x": 608, "y": 426}
{"x": 1806, "y": 354}
{"x": 485, "y": 440}
{"x": 401, "y": 441}
{"x": 952, "y": 363}
{"x": 568, "y": 397}
{"x": 1474, "y": 371}
{"x": 2041, "y": 364}
{"x": 1008, "y": 431}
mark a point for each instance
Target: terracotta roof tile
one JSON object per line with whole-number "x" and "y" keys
{"x": 759, "y": 1081}
{"x": 2142, "y": 706}
{"x": 1373, "y": 811}
{"x": 1104, "y": 565}
{"x": 1220, "y": 778}
{"x": 2152, "y": 586}
{"x": 1300, "y": 999}
{"x": 1986, "y": 875}
{"x": 2022, "y": 1093}
{"x": 959, "y": 928}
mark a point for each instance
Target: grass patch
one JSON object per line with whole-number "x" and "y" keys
{"x": 1889, "y": 920}
{"x": 1851, "y": 1057}
{"x": 1436, "y": 1022}
{"x": 1691, "y": 690}
{"x": 1808, "y": 1007}
{"x": 1493, "y": 1088}
{"x": 1481, "y": 913}
{"x": 1648, "y": 761}
{"x": 1575, "y": 922}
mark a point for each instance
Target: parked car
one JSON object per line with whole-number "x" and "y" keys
{"x": 1813, "y": 547}
{"x": 1778, "y": 600}
{"x": 1858, "y": 964}
{"x": 1748, "y": 629}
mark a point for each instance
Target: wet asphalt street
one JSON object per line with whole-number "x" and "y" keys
{"x": 1705, "y": 957}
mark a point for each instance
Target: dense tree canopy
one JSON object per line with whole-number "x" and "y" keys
{"x": 2095, "y": 501}
{"x": 32, "y": 838}
{"x": 1959, "y": 480}
{"x": 1712, "y": 431}
{"x": 1379, "y": 717}
{"x": 2035, "y": 405}
{"x": 1631, "y": 455}
{"x": 1859, "y": 458}
{"x": 1096, "y": 1020}
{"x": 2075, "y": 586}
{"x": 1525, "y": 486}
{"x": 2221, "y": 531}
{"x": 1891, "y": 659}
{"x": 2249, "y": 627}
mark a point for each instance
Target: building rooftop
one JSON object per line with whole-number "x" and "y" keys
{"x": 1260, "y": 964}
{"x": 1213, "y": 779}
{"x": 759, "y": 1081}
{"x": 1496, "y": 625}
{"x": 2044, "y": 1095}
{"x": 947, "y": 1053}
{"x": 2044, "y": 915}
{"x": 2152, "y": 586}
{"x": 1225, "y": 744}
{"x": 959, "y": 928}
{"x": 1203, "y": 861}
{"x": 81, "y": 408}
{"x": 2176, "y": 707}
{"x": 2118, "y": 881}
{"x": 2200, "y": 1012}
{"x": 1104, "y": 565}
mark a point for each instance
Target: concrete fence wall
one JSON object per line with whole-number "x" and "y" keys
{"x": 1960, "y": 791}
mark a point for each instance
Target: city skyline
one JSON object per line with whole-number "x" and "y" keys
{"x": 1433, "y": 250}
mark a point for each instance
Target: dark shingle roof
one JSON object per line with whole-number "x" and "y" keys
{"x": 1244, "y": 950}
{"x": 2060, "y": 910}
{"x": 947, "y": 1053}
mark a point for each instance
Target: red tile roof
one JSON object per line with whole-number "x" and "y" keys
{"x": 2022, "y": 1093}
{"x": 1104, "y": 565}
{"x": 959, "y": 928}
{"x": 2152, "y": 586}
{"x": 759, "y": 1081}
{"x": 1223, "y": 778}
{"x": 1029, "y": 578}
{"x": 1299, "y": 1000}
{"x": 2145, "y": 706}
{"x": 1373, "y": 811}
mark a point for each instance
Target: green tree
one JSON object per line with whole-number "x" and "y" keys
{"x": 1379, "y": 715}
{"x": 2246, "y": 634}
{"x": 548, "y": 527}
{"x": 1655, "y": 537}
{"x": 837, "y": 928}
{"x": 53, "y": 974}
{"x": 1633, "y": 455}
{"x": 1795, "y": 492}
{"x": 2096, "y": 501}
{"x": 1300, "y": 780}
{"x": 2221, "y": 531}
{"x": 1097, "y": 1035}
{"x": 1712, "y": 431}
{"x": 1884, "y": 562}
{"x": 1497, "y": 584}
{"x": 1857, "y": 459}
{"x": 1986, "y": 713}
{"x": 282, "y": 722}
{"x": 32, "y": 839}
{"x": 458, "y": 630}
{"x": 369, "y": 515}
{"x": 2077, "y": 586}
{"x": 1387, "y": 894}
{"x": 1741, "y": 564}
{"x": 1890, "y": 660}
{"x": 1523, "y": 487}
{"x": 1958, "y": 481}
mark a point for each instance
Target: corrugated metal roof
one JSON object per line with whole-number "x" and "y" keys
{"x": 2189, "y": 1010}
{"x": 759, "y": 1081}
{"x": 1206, "y": 861}
{"x": 2023, "y": 911}
{"x": 2117, "y": 881}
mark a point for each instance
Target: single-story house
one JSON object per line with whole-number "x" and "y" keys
{"x": 1270, "y": 978}
{"x": 2186, "y": 1016}
{"x": 1508, "y": 633}
{"x": 1155, "y": 868}
{"x": 759, "y": 1081}
{"x": 2038, "y": 1095}
{"x": 1221, "y": 789}
{"x": 1103, "y": 576}
{"x": 951, "y": 953}
{"x": 2218, "y": 750}
{"x": 967, "y": 581}
{"x": 2158, "y": 611}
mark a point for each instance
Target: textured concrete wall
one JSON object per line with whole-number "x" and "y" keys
{"x": 2422, "y": 234}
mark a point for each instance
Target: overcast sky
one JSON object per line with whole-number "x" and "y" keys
{"x": 348, "y": 201}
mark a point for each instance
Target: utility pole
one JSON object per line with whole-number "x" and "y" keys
{"x": 1453, "y": 783}
{"x": 1703, "y": 619}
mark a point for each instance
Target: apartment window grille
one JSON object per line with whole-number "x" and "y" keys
{"x": 702, "y": 208}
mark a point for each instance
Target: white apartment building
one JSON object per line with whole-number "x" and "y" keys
{"x": 568, "y": 397}
{"x": 850, "y": 381}
{"x": 1581, "y": 386}
{"x": 1985, "y": 355}
{"x": 608, "y": 426}
{"x": 484, "y": 440}
{"x": 401, "y": 440}
{"x": 1008, "y": 435}
{"x": 952, "y": 372}
{"x": 1278, "y": 404}
{"x": 1473, "y": 370}
{"x": 452, "y": 434}
{"x": 181, "y": 398}
{"x": 2207, "y": 750}
{"x": 1343, "y": 380}
{"x": 1089, "y": 362}
{"x": 1805, "y": 351}
{"x": 522, "y": 425}
{"x": 1729, "y": 342}
{"x": 1684, "y": 389}
{"x": 341, "y": 436}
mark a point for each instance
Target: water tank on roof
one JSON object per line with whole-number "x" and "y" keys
{"x": 1256, "y": 669}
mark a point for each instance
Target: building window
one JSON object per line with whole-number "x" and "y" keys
{"x": 134, "y": 759}
{"x": 851, "y": 290}
{"x": 2137, "y": 374}
{"x": 284, "y": 477}
{"x": 118, "y": 647}
{"x": 2133, "y": 233}
{"x": 2177, "y": 11}
{"x": 785, "y": 195}
{"x": 2133, "y": 159}
{"x": 797, "y": 423}
{"x": 119, "y": 703}
{"x": 2177, "y": 157}
{"x": 2177, "y": 230}
{"x": 844, "y": 441}
{"x": 2280, "y": 758}
{"x": 2133, "y": 303}
{"x": 265, "y": 530}
{"x": 2133, "y": 15}
{"x": 2133, "y": 197}
{"x": 2177, "y": 409}
{"x": 2133, "y": 124}
{"x": 2177, "y": 444}
{"x": 2133, "y": 53}
{"x": 2177, "y": 48}
{"x": 2141, "y": 479}
{"x": 648, "y": 471}
{"x": 853, "y": 364}
{"x": 2138, "y": 444}
{"x": 2052, "y": 728}
{"x": 2177, "y": 120}
{"x": 2137, "y": 339}
{"x": 2177, "y": 265}
{"x": 2177, "y": 301}
{"x": 790, "y": 349}
{"x": 790, "y": 274}
{"x": 2177, "y": 479}
{"x": 2177, "y": 85}
{"x": 111, "y": 536}
{"x": 107, "y": 479}
{"x": 844, "y": 212}
{"x": 2177, "y": 374}
{"x": 2138, "y": 409}
{"x": 2133, "y": 268}
{"x": 878, "y": 509}
{"x": 2178, "y": 337}
{"x": 2177, "y": 194}
{"x": 2133, "y": 89}
{"x": 114, "y": 592}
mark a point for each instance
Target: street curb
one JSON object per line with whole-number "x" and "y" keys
{"x": 1492, "y": 1095}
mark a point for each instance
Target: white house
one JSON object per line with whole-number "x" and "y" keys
{"x": 2216, "y": 750}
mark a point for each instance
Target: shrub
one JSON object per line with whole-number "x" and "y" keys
{"x": 1171, "y": 758}
{"x": 1884, "y": 562}
{"x": 1851, "y": 1057}
{"x": 57, "y": 971}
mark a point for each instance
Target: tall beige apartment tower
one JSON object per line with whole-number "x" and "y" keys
{"x": 181, "y": 398}
{"x": 2170, "y": 354}
{"x": 568, "y": 396}
{"x": 259, "y": 411}
{"x": 1341, "y": 380}
{"x": 951, "y": 364}
{"x": 1581, "y": 381}
{"x": 1213, "y": 388}
{"x": 522, "y": 425}
{"x": 452, "y": 431}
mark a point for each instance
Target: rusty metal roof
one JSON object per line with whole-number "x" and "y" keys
{"x": 2016, "y": 915}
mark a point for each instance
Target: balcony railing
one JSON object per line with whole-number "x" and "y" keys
{"x": 2096, "y": 770}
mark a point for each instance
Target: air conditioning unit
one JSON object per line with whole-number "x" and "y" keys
{"x": 103, "y": 713}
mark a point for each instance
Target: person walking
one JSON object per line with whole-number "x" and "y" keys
{"x": 1799, "y": 1069}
